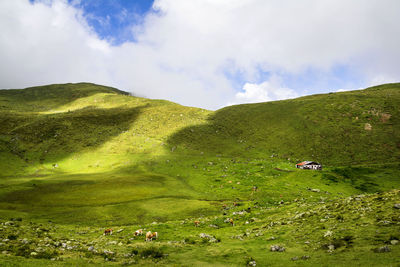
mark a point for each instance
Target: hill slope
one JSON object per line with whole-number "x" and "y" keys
{"x": 42, "y": 126}
{"x": 357, "y": 127}
{"x": 50, "y": 123}
{"x": 86, "y": 157}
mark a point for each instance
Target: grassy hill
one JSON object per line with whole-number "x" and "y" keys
{"x": 86, "y": 157}
{"x": 357, "y": 127}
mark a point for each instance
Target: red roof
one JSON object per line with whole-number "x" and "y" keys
{"x": 306, "y": 163}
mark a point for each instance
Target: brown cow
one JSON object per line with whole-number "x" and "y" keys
{"x": 155, "y": 235}
{"x": 108, "y": 231}
{"x": 138, "y": 232}
{"x": 196, "y": 223}
{"x": 150, "y": 236}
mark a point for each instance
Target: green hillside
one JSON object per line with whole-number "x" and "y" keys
{"x": 78, "y": 158}
{"x": 357, "y": 127}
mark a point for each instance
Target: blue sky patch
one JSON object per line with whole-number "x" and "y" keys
{"x": 113, "y": 19}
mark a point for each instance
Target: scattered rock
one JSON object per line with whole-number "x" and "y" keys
{"x": 305, "y": 257}
{"x": 108, "y": 252}
{"x": 277, "y": 248}
{"x": 396, "y": 206}
{"x": 91, "y": 248}
{"x": 120, "y": 230}
{"x": 298, "y": 216}
{"x": 33, "y": 254}
{"x": 382, "y": 249}
{"x": 252, "y": 263}
{"x": 394, "y": 242}
{"x": 316, "y": 190}
{"x": 295, "y": 258}
{"x": 385, "y": 117}
{"x": 328, "y": 233}
{"x": 239, "y": 212}
{"x": 331, "y": 248}
{"x": 240, "y": 237}
{"x": 368, "y": 127}
{"x": 210, "y": 238}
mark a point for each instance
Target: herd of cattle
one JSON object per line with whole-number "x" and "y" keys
{"x": 153, "y": 235}
{"x": 149, "y": 235}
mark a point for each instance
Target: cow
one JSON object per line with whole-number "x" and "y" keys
{"x": 108, "y": 231}
{"x": 155, "y": 235}
{"x": 150, "y": 236}
{"x": 196, "y": 223}
{"x": 138, "y": 232}
{"x": 231, "y": 221}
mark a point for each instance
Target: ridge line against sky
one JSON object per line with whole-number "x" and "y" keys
{"x": 204, "y": 53}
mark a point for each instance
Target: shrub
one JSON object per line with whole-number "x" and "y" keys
{"x": 23, "y": 251}
{"x": 340, "y": 217}
{"x": 88, "y": 254}
{"x": 47, "y": 254}
{"x": 12, "y": 237}
{"x": 151, "y": 252}
{"x": 189, "y": 240}
{"x": 348, "y": 239}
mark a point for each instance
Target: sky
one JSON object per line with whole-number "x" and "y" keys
{"x": 202, "y": 53}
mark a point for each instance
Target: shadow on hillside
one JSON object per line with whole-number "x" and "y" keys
{"x": 238, "y": 131}
{"x": 329, "y": 130}
{"x": 56, "y": 136}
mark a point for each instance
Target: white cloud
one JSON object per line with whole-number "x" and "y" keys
{"x": 185, "y": 50}
{"x": 344, "y": 90}
{"x": 269, "y": 90}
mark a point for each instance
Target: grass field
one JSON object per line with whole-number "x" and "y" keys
{"x": 78, "y": 158}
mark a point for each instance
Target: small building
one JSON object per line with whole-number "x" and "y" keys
{"x": 309, "y": 165}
